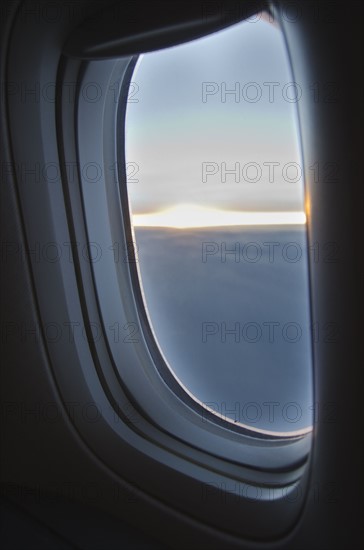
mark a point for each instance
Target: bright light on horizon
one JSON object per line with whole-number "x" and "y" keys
{"x": 186, "y": 216}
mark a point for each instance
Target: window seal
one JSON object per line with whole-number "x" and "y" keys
{"x": 147, "y": 404}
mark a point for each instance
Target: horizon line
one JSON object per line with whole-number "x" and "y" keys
{"x": 187, "y": 216}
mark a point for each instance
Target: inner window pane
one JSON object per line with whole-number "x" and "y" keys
{"x": 216, "y": 197}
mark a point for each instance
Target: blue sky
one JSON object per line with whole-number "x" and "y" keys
{"x": 178, "y": 134}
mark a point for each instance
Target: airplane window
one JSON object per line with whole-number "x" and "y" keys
{"x": 216, "y": 197}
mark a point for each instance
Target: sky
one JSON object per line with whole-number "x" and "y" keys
{"x": 184, "y": 133}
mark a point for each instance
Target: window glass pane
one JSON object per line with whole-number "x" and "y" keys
{"x": 216, "y": 196}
